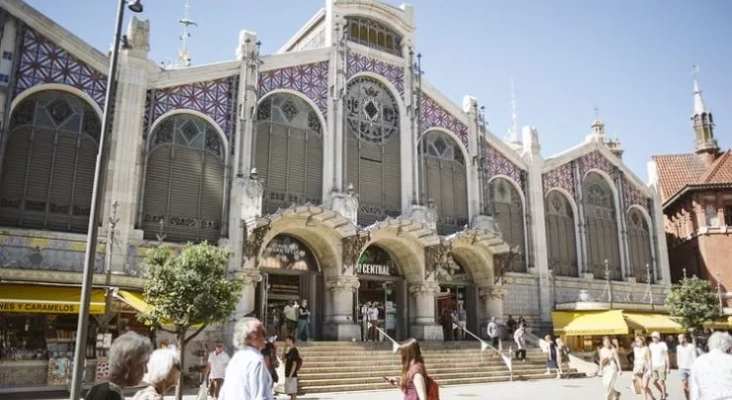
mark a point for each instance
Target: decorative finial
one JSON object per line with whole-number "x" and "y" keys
{"x": 648, "y": 273}
{"x": 597, "y": 113}
{"x": 683, "y": 271}
{"x": 607, "y": 270}
{"x": 513, "y": 132}
{"x": 695, "y": 71}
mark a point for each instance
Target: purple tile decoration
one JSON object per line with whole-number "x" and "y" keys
{"x": 394, "y": 74}
{"x": 560, "y": 177}
{"x": 309, "y": 79}
{"x": 633, "y": 196}
{"x": 434, "y": 116}
{"x": 42, "y": 61}
{"x": 213, "y": 98}
{"x": 595, "y": 160}
{"x": 498, "y": 164}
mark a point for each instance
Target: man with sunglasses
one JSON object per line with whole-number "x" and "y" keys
{"x": 216, "y": 369}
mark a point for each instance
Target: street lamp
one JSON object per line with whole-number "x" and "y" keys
{"x": 91, "y": 239}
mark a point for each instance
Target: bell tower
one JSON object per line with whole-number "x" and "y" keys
{"x": 705, "y": 145}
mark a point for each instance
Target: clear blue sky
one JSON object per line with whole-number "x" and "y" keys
{"x": 630, "y": 58}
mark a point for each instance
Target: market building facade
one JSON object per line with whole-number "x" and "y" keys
{"x": 304, "y": 163}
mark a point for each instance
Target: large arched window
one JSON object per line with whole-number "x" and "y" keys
{"x": 639, "y": 246}
{"x": 509, "y": 212}
{"x": 602, "y": 227}
{"x": 560, "y": 235}
{"x": 445, "y": 181}
{"x": 48, "y": 172}
{"x": 184, "y": 181}
{"x": 288, "y": 152}
{"x": 373, "y": 155}
{"x": 375, "y": 35}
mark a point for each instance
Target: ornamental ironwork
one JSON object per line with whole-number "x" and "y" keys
{"x": 371, "y": 110}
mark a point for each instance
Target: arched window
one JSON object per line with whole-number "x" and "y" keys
{"x": 288, "y": 152}
{"x": 48, "y": 172}
{"x": 560, "y": 235}
{"x": 602, "y": 227}
{"x": 445, "y": 181}
{"x": 184, "y": 181}
{"x": 375, "y": 35}
{"x": 510, "y": 218}
{"x": 373, "y": 155}
{"x": 639, "y": 246}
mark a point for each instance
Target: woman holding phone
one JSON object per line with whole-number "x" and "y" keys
{"x": 413, "y": 380}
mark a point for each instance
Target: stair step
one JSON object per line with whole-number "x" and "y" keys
{"x": 310, "y": 373}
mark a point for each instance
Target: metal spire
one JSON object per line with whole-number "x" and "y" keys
{"x": 699, "y": 106}
{"x": 183, "y": 56}
{"x": 512, "y": 137}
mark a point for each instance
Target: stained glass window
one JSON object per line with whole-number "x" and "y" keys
{"x": 374, "y": 34}
{"x": 560, "y": 235}
{"x": 601, "y": 226}
{"x": 371, "y": 110}
{"x": 509, "y": 211}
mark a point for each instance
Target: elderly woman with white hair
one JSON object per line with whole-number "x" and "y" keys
{"x": 247, "y": 377}
{"x": 128, "y": 358}
{"x": 711, "y": 373}
{"x": 163, "y": 370}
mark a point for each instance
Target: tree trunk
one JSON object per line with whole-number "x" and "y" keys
{"x": 180, "y": 338}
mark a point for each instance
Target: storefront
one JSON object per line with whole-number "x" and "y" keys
{"x": 290, "y": 273}
{"x": 38, "y": 333}
{"x": 383, "y": 288}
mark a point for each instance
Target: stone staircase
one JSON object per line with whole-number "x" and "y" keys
{"x": 357, "y": 366}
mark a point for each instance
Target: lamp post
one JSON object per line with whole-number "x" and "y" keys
{"x": 91, "y": 239}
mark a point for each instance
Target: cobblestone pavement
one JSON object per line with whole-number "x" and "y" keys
{"x": 549, "y": 389}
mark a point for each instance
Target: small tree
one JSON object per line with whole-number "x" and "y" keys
{"x": 693, "y": 300}
{"x": 188, "y": 290}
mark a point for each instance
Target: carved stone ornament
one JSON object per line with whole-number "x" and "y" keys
{"x": 346, "y": 204}
{"x": 501, "y": 264}
{"x": 249, "y": 276}
{"x": 253, "y": 188}
{"x": 254, "y": 241}
{"x": 343, "y": 283}
{"x": 492, "y": 292}
{"x": 352, "y": 247}
{"x": 583, "y": 295}
{"x": 424, "y": 288}
{"x": 138, "y": 34}
{"x": 436, "y": 258}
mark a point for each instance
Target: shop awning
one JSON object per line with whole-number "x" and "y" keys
{"x": 589, "y": 323}
{"x": 37, "y": 299}
{"x": 653, "y": 323}
{"x": 137, "y": 301}
{"x": 723, "y": 325}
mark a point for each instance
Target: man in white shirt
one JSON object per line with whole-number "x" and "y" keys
{"x": 711, "y": 373}
{"x": 247, "y": 378}
{"x": 374, "y": 322}
{"x": 660, "y": 364}
{"x": 685, "y": 356}
{"x": 216, "y": 369}
{"x": 365, "y": 320}
{"x": 493, "y": 332}
{"x": 290, "y": 313}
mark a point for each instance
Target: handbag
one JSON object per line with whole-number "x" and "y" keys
{"x": 291, "y": 385}
{"x": 202, "y": 392}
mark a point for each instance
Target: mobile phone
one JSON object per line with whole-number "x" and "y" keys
{"x": 390, "y": 380}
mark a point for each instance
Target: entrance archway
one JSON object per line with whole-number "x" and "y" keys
{"x": 458, "y": 296}
{"x": 290, "y": 274}
{"x": 381, "y": 298}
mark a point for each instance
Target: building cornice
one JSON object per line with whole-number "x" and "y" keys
{"x": 286, "y": 60}
{"x": 690, "y": 189}
{"x": 176, "y": 77}
{"x": 57, "y": 34}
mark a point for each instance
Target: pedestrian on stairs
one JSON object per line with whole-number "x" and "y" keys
{"x": 493, "y": 333}
{"x": 520, "y": 338}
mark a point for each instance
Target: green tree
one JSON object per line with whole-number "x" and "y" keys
{"x": 694, "y": 302}
{"x": 189, "y": 290}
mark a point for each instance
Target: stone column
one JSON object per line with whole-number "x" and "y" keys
{"x": 10, "y": 41}
{"x": 127, "y": 145}
{"x": 339, "y": 324}
{"x": 247, "y": 305}
{"x": 492, "y": 298}
{"x": 537, "y": 223}
{"x": 424, "y": 326}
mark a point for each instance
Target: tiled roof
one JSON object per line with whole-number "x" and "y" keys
{"x": 720, "y": 171}
{"x": 678, "y": 170}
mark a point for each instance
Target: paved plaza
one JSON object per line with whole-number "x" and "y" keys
{"x": 582, "y": 388}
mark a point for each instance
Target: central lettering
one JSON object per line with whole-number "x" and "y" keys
{"x": 373, "y": 269}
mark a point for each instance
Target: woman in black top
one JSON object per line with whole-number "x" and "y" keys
{"x": 128, "y": 359}
{"x": 292, "y": 365}
{"x": 303, "y": 321}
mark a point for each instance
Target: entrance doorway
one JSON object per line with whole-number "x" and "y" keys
{"x": 290, "y": 274}
{"x": 457, "y": 301}
{"x": 381, "y": 299}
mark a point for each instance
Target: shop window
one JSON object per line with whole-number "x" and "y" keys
{"x": 728, "y": 215}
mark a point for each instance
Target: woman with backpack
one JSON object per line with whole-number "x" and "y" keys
{"x": 414, "y": 381}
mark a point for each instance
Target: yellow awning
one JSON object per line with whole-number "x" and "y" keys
{"x": 653, "y": 323}
{"x": 133, "y": 299}
{"x": 137, "y": 301}
{"x": 723, "y": 325}
{"x": 589, "y": 323}
{"x": 37, "y": 299}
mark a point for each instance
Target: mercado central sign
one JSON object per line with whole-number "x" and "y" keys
{"x": 373, "y": 269}
{"x": 47, "y": 307}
